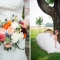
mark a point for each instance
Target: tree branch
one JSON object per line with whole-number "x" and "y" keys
{"x": 45, "y": 7}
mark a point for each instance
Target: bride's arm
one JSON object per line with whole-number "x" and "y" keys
{"x": 55, "y": 38}
{"x": 26, "y": 13}
{"x": 26, "y": 10}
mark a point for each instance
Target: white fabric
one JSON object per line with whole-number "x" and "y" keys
{"x": 10, "y": 7}
{"x": 27, "y": 12}
{"x": 46, "y": 42}
{"x": 13, "y": 54}
{"x": 7, "y": 9}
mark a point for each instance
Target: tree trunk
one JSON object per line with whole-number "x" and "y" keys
{"x": 54, "y": 12}
{"x": 57, "y": 16}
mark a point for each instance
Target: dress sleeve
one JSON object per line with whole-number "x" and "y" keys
{"x": 27, "y": 12}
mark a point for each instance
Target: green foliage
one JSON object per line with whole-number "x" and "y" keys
{"x": 54, "y": 56}
{"x": 23, "y": 16}
{"x": 8, "y": 40}
{"x": 16, "y": 46}
{"x": 39, "y": 21}
{"x": 50, "y": 1}
{"x": 36, "y": 51}
{"x": 48, "y": 24}
{"x": 0, "y": 43}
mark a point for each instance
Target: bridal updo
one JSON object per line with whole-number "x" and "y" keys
{"x": 48, "y": 31}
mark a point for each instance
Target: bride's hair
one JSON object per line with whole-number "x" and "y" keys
{"x": 48, "y": 30}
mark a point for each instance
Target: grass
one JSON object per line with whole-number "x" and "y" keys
{"x": 37, "y": 53}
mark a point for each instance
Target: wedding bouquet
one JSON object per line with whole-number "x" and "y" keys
{"x": 11, "y": 33}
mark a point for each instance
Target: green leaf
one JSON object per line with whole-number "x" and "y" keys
{"x": 0, "y": 43}
{"x": 50, "y": 1}
{"x": 23, "y": 16}
{"x": 16, "y": 46}
{"x": 8, "y": 40}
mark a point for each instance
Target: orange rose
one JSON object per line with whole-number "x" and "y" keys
{"x": 6, "y": 26}
{"x": 9, "y": 22}
{"x": 24, "y": 35}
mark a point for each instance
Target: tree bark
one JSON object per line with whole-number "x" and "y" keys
{"x": 57, "y": 16}
{"x": 45, "y": 7}
{"x": 54, "y": 12}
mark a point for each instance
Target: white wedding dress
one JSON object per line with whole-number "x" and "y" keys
{"x": 46, "y": 42}
{"x": 7, "y": 9}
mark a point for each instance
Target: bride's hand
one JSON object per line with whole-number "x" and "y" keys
{"x": 57, "y": 48}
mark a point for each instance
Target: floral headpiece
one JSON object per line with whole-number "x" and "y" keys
{"x": 56, "y": 31}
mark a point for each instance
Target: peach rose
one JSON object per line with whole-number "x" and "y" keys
{"x": 10, "y": 30}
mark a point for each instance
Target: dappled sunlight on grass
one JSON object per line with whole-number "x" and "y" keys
{"x": 42, "y": 58}
{"x": 36, "y": 51}
{"x": 38, "y": 54}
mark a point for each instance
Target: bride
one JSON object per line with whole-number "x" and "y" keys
{"x": 10, "y": 16}
{"x": 48, "y": 41}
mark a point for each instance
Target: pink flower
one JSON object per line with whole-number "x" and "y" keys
{"x": 8, "y": 45}
{"x": 10, "y": 30}
{"x": 2, "y": 30}
{"x": 56, "y": 31}
{"x": 22, "y": 23}
{"x": 2, "y": 37}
